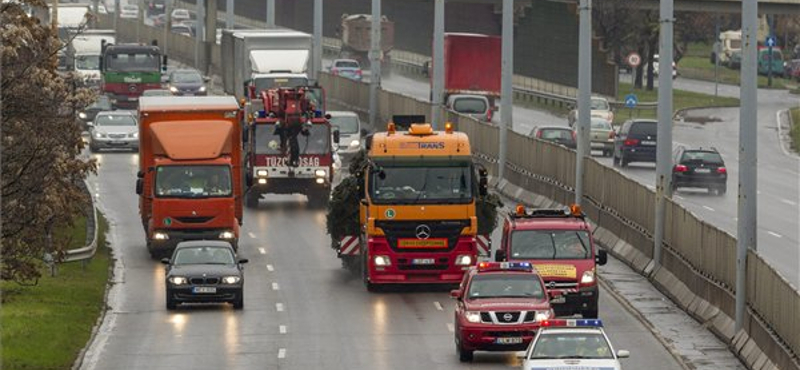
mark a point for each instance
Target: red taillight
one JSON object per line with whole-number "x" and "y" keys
{"x": 574, "y": 138}
{"x": 722, "y": 170}
{"x": 358, "y": 72}
{"x": 539, "y": 134}
{"x": 681, "y": 168}
{"x": 335, "y": 72}
{"x": 631, "y": 142}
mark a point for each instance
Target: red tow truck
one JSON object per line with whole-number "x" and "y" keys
{"x": 559, "y": 243}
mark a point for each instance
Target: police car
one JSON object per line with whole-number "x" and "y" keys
{"x": 572, "y": 344}
{"x": 498, "y": 308}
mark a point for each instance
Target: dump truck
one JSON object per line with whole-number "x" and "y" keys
{"x": 417, "y": 210}
{"x": 356, "y": 36}
{"x": 130, "y": 69}
{"x": 190, "y": 170}
{"x": 85, "y": 51}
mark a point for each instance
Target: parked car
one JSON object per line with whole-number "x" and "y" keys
{"x": 348, "y": 68}
{"x": 735, "y": 62}
{"x": 350, "y": 132}
{"x": 602, "y": 136}
{"x": 182, "y": 29}
{"x": 102, "y": 104}
{"x": 556, "y": 134}
{"x": 792, "y": 69}
{"x": 114, "y": 130}
{"x": 699, "y": 168}
{"x": 475, "y": 106}
{"x": 635, "y": 142}
{"x": 204, "y": 271}
{"x": 599, "y": 107}
{"x": 765, "y": 64}
{"x": 180, "y": 15}
{"x": 129, "y": 11}
{"x": 157, "y": 92}
{"x": 187, "y": 82}
{"x": 655, "y": 67}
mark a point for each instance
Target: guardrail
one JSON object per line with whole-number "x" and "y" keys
{"x": 86, "y": 252}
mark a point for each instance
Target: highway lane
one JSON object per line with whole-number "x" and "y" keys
{"x": 301, "y": 308}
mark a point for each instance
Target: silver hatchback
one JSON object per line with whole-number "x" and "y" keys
{"x": 114, "y": 130}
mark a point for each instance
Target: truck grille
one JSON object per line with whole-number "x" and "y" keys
{"x": 507, "y": 317}
{"x": 194, "y": 220}
{"x": 450, "y": 230}
{"x": 555, "y": 284}
{"x": 510, "y": 334}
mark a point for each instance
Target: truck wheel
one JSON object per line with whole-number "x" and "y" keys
{"x": 171, "y": 305}
{"x": 251, "y": 199}
{"x": 93, "y": 148}
{"x": 372, "y": 288}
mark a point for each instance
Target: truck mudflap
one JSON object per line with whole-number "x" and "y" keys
{"x": 349, "y": 246}
{"x": 483, "y": 243}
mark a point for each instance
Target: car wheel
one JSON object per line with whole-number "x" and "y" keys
{"x": 171, "y": 304}
{"x": 93, "y": 148}
{"x": 622, "y": 161}
{"x": 615, "y": 159}
{"x": 463, "y": 354}
{"x": 722, "y": 190}
{"x": 238, "y": 304}
{"x": 372, "y": 288}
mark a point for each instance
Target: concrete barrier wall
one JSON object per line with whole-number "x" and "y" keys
{"x": 698, "y": 268}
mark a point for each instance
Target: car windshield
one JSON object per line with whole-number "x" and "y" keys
{"x": 115, "y": 120}
{"x": 506, "y": 286}
{"x": 133, "y": 62}
{"x": 102, "y": 103}
{"x": 469, "y": 105}
{"x": 346, "y": 124}
{"x": 422, "y": 182}
{"x": 600, "y": 124}
{"x": 347, "y": 64}
{"x": 268, "y": 141}
{"x": 550, "y": 244}
{"x": 705, "y": 157}
{"x": 266, "y": 83}
{"x": 599, "y": 104}
{"x": 203, "y": 256}
{"x": 193, "y": 181}
{"x": 572, "y": 345}
{"x": 91, "y": 62}
{"x": 186, "y": 77}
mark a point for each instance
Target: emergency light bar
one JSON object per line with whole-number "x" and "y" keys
{"x": 578, "y": 323}
{"x": 572, "y": 211}
{"x": 498, "y": 266}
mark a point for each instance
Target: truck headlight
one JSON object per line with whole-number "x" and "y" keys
{"x": 173, "y": 89}
{"x": 588, "y": 277}
{"x": 473, "y": 316}
{"x": 320, "y": 173}
{"x": 355, "y": 143}
{"x": 178, "y": 280}
{"x": 160, "y": 235}
{"x": 202, "y": 89}
{"x": 82, "y": 115}
{"x": 262, "y": 181}
{"x": 382, "y": 261}
{"x": 464, "y": 260}
{"x": 261, "y": 173}
{"x": 231, "y": 279}
{"x": 320, "y": 180}
{"x": 541, "y": 316}
{"x": 227, "y": 235}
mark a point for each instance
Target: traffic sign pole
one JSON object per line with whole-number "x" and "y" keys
{"x": 584, "y": 95}
{"x": 664, "y": 131}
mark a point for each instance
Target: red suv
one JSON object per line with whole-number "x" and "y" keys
{"x": 499, "y": 308}
{"x": 559, "y": 243}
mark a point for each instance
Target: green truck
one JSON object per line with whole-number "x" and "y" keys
{"x": 128, "y": 70}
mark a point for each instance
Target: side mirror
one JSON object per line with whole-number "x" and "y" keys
{"x": 602, "y": 257}
{"x": 206, "y": 79}
{"x": 500, "y": 255}
{"x": 164, "y": 63}
{"x": 364, "y": 132}
{"x": 623, "y": 353}
{"x": 521, "y": 355}
{"x": 336, "y": 136}
{"x": 455, "y": 294}
{"x": 252, "y": 91}
{"x": 140, "y": 174}
{"x": 89, "y": 124}
{"x": 243, "y": 260}
{"x": 165, "y": 261}
{"x": 139, "y": 186}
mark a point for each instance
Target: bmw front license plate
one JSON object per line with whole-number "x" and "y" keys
{"x": 422, "y": 261}
{"x": 516, "y": 340}
{"x": 204, "y": 290}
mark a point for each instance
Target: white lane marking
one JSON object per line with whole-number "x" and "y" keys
{"x": 262, "y": 251}
{"x": 279, "y": 307}
{"x": 275, "y": 286}
{"x": 282, "y": 329}
{"x": 251, "y": 235}
{"x": 450, "y": 328}
{"x": 282, "y": 353}
{"x": 775, "y": 234}
{"x": 438, "y": 306}
{"x": 270, "y": 268}
{"x": 789, "y": 202}
{"x": 709, "y": 208}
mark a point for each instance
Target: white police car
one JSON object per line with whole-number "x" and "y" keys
{"x": 572, "y": 344}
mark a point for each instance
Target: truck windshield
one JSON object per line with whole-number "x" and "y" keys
{"x": 469, "y": 105}
{"x": 346, "y": 124}
{"x": 91, "y": 62}
{"x": 427, "y": 182}
{"x": 550, "y": 244}
{"x": 144, "y": 62}
{"x": 193, "y": 181}
{"x": 505, "y": 286}
{"x": 317, "y": 142}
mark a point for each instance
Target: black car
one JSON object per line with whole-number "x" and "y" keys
{"x": 635, "y": 142}
{"x": 187, "y": 82}
{"x": 204, "y": 271}
{"x": 557, "y": 134}
{"x": 699, "y": 168}
{"x": 102, "y": 104}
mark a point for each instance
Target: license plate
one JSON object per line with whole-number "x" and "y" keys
{"x": 117, "y": 143}
{"x": 646, "y": 142}
{"x": 422, "y": 261}
{"x": 133, "y": 98}
{"x": 558, "y": 300}
{"x": 702, "y": 170}
{"x": 204, "y": 290}
{"x": 516, "y": 340}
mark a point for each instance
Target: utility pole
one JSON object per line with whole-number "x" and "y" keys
{"x": 116, "y": 14}
{"x": 375, "y": 62}
{"x": 198, "y": 36}
{"x": 96, "y": 11}
{"x": 270, "y": 13}
{"x": 746, "y": 237}
{"x": 438, "y": 65}
{"x": 664, "y": 112}
{"x": 584, "y": 95}
{"x": 54, "y": 17}
{"x": 506, "y": 81}
{"x": 317, "y": 52}
{"x": 167, "y": 24}
{"x": 210, "y": 31}
{"x": 717, "y": 52}
{"x": 229, "y": 14}
{"x": 139, "y": 18}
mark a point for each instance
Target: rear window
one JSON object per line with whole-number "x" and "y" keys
{"x": 469, "y": 105}
{"x": 347, "y": 64}
{"x": 643, "y": 128}
{"x": 698, "y": 156}
{"x": 556, "y": 134}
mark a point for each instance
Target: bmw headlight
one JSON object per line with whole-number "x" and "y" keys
{"x": 173, "y": 89}
{"x": 231, "y": 279}
{"x": 178, "y": 280}
{"x": 588, "y": 277}
{"x": 473, "y": 316}
{"x": 320, "y": 173}
{"x": 82, "y": 115}
{"x": 355, "y": 143}
{"x": 227, "y": 234}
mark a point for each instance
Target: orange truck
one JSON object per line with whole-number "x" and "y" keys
{"x": 190, "y": 170}
{"x": 418, "y": 208}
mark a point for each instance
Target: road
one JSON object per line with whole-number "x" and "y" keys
{"x": 302, "y": 310}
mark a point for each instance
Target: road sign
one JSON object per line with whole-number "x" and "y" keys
{"x": 771, "y": 41}
{"x": 633, "y": 60}
{"x": 631, "y": 100}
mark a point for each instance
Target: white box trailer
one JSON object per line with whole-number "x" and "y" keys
{"x": 85, "y": 51}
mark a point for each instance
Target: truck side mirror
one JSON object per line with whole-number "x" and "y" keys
{"x": 500, "y": 255}
{"x": 602, "y": 257}
{"x": 364, "y": 132}
{"x": 164, "y": 63}
{"x": 455, "y": 294}
{"x": 336, "y": 136}
{"x": 139, "y": 186}
{"x": 252, "y": 91}
{"x": 140, "y": 174}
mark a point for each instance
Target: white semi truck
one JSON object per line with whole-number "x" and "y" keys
{"x": 84, "y": 54}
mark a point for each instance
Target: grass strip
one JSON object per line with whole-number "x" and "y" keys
{"x": 795, "y": 131}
